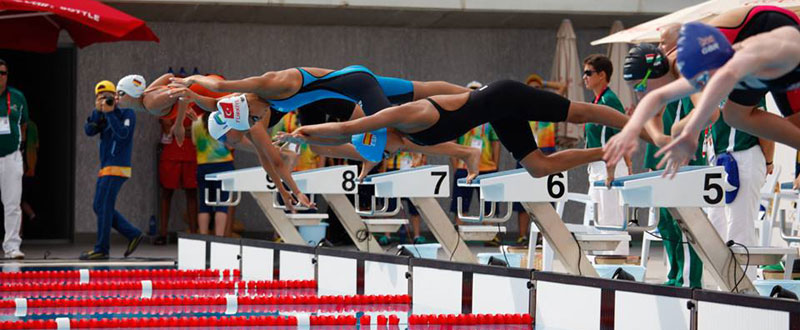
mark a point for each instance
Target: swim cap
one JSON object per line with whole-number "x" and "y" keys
{"x": 474, "y": 84}
{"x": 370, "y": 145}
{"x": 132, "y": 85}
{"x": 642, "y": 57}
{"x": 217, "y": 127}
{"x": 104, "y": 86}
{"x": 701, "y": 48}
{"x": 235, "y": 112}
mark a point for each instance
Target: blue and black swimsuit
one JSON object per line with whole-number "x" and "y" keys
{"x": 354, "y": 83}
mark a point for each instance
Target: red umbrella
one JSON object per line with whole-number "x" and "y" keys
{"x": 34, "y": 25}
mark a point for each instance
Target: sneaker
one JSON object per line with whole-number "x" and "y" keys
{"x": 133, "y": 244}
{"x": 521, "y": 241}
{"x": 15, "y": 255}
{"x": 494, "y": 242}
{"x": 93, "y": 255}
{"x": 419, "y": 240}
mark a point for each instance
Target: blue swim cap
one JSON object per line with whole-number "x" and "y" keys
{"x": 370, "y": 145}
{"x": 701, "y": 48}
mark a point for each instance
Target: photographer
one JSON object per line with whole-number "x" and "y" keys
{"x": 115, "y": 127}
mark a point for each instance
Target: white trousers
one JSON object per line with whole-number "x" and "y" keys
{"x": 11, "y": 191}
{"x": 736, "y": 221}
{"x": 609, "y": 209}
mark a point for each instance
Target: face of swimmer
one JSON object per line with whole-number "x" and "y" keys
{"x": 124, "y": 100}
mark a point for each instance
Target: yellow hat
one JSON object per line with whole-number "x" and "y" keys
{"x": 104, "y": 86}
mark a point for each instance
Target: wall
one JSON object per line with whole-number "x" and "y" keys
{"x": 240, "y": 50}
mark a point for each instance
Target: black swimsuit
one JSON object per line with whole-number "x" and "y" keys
{"x": 762, "y": 19}
{"x": 508, "y": 106}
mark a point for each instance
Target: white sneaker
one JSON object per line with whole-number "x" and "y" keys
{"x": 15, "y": 255}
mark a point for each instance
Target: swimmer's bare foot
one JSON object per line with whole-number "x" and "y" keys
{"x": 473, "y": 162}
{"x": 366, "y": 167}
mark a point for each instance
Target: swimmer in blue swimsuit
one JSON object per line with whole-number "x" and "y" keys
{"x": 290, "y": 89}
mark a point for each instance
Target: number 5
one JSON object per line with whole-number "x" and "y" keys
{"x": 708, "y": 186}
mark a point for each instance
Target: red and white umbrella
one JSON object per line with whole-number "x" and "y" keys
{"x": 34, "y": 25}
{"x": 648, "y": 31}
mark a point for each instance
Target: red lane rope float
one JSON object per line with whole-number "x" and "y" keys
{"x": 145, "y": 289}
{"x": 189, "y": 301}
{"x": 118, "y": 274}
{"x": 164, "y": 322}
{"x": 470, "y": 319}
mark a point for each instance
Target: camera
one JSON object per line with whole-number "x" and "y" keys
{"x": 109, "y": 101}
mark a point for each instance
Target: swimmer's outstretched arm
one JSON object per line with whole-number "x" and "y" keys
{"x": 183, "y": 93}
{"x": 625, "y": 142}
{"x": 161, "y": 81}
{"x": 260, "y": 136}
{"x": 263, "y": 85}
{"x": 388, "y": 117}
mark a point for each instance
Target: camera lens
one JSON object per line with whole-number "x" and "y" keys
{"x": 109, "y": 101}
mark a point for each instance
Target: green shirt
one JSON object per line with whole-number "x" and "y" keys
{"x": 481, "y": 137}
{"x": 9, "y": 143}
{"x": 670, "y": 116}
{"x": 729, "y": 139}
{"x": 596, "y": 134}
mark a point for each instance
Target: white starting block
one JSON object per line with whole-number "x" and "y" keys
{"x": 593, "y": 239}
{"x": 480, "y": 233}
{"x": 385, "y": 225}
{"x": 332, "y": 183}
{"x": 535, "y": 195}
{"x": 692, "y": 188}
{"x": 421, "y": 185}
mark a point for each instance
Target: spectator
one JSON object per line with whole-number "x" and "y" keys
{"x": 13, "y": 118}
{"x": 115, "y": 126}
{"x": 177, "y": 169}
{"x": 597, "y": 70}
{"x": 212, "y": 157}
{"x": 306, "y": 159}
{"x": 484, "y": 138}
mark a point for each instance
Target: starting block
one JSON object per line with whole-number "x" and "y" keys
{"x": 692, "y": 188}
{"x": 535, "y": 195}
{"x": 422, "y": 185}
{"x": 332, "y": 183}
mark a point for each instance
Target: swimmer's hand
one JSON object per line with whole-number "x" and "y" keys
{"x": 186, "y": 82}
{"x": 302, "y": 199}
{"x": 473, "y": 163}
{"x": 366, "y": 167}
{"x": 288, "y": 198}
{"x": 796, "y": 183}
{"x": 181, "y": 92}
{"x": 178, "y": 133}
{"x": 677, "y": 153}
{"x": 620, "y": 145}
{"x": 609, "y": 175}
{"x": 290, "y": 138}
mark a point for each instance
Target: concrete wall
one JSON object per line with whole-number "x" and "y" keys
{"x": 240, "y": 50}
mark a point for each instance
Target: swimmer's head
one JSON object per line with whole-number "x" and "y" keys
{"x": 371, "y": 145}
{"x": 644, "y": 63}
{"x": 701, "y": 50}
{"x": 129, "y": 89}
{"x": 217, "y": 127}
{"x": 535, "y": 81}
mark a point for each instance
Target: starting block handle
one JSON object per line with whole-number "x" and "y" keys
{"x": 482, "y": 216}
{"x": 374, "y": 211}
{"x": 786, "y": 237}
{"x": 626, "y": 209}
{"x": 298, "y": 207}
{"x": 230, "y": 202}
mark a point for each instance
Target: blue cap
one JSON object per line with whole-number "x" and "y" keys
{"x": 701, "y": 48}
{"x": 370, "y": 145}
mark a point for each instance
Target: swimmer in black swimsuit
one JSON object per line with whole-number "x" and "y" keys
{"x": 507, "y": 105}
{"x": 768, "y": 60}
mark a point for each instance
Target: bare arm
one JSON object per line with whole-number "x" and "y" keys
{"x": 246, "y": 85}
{"x": 655, "y": 127}
{"x": 161, "y": 81}
{"x": 656, "y": 100}
{"x": 263, "y": 142}
{"x": 384, "y": 118}
{"x": 768, "y": 148}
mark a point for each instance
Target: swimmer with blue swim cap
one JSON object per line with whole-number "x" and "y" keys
{"x": 764, "y": 57}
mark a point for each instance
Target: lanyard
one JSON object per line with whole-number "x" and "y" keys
{"x": 598, "y": 97}
{"x": 8, "y": 103}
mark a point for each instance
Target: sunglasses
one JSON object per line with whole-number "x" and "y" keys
{"x": 589, "y": 73}
{"x": 121, "y": 93}
{"x": 3, "y": 73}
{"x": 641, "y": 87}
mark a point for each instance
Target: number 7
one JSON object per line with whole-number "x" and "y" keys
{"x": 441, "y": 176}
